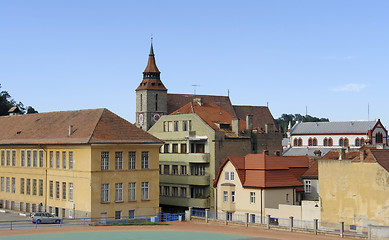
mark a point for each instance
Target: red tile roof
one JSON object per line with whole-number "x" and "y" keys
{"x": 263, "y": 171}
{"x": 261, "y": 115}
{"x": 88, "y": 126}
{"x": 176, "y": 101}
{"x": 382, "y": 157}
{"x": 313, "y": 171}
{"x": 210, "y": 113}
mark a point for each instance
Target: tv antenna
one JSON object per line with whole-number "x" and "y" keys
{"x": 194, "y": 88}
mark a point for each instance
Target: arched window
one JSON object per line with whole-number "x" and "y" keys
{"x": 330, "y": 142}
{"x": 341, "y": 142}
{"x": 378, "y": 138}
{"x": 357, "y": 142}
{"x": 310, "y": 142}
{"x": 300, "y": 142}
{"x": 346, "y": 142}
{"x": 362, "y": 142}
{"x": 295, "y": 142}
{"x": 314, "y": 142}
{"x": 325, "y": 142}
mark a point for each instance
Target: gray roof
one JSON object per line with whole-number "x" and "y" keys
{"x": 302, "y": 151}
{"x": 358, "y": 127}
{"x": 285, "y": 141}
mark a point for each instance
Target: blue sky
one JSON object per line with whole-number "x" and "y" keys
{"x": 329, "y": 55}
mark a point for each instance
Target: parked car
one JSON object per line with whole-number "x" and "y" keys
{"x": 43, "y": 217}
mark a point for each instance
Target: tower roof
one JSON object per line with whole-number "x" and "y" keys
{"x": 151, "y": 75}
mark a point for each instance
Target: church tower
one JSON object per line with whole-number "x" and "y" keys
{"x": 151, "y": 95}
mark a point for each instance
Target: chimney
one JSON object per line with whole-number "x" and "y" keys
{"x": 70, "y": 130}
{"x": 342, "y": 154}
{"x": 198, "y": 100}
{"x": 249, "y": 122}
{"x": 277, "y": 153}
{"x": 268, "y": 128}
{"x": 236, "y": 126}
{"x": 266, "y": 152}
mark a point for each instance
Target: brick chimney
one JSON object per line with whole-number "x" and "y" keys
{"x": 235, "y": 125}
{"x": 249, "y": 122}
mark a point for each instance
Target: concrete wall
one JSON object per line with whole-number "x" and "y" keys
{"x": 306, "y": 212}
{"x": 378, "y": 232}
{"x": 354, "y": 192}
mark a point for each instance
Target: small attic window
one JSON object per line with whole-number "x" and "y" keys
{"x": 144, "y": 84}
{"x": 224, "y": 126}
{"x": 18, "y": 132}
{"x": 159, "y": 84}
{"x": 152, "y": 84}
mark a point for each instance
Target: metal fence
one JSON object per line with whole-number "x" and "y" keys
{"x": 291, "y": 224}
{"x": 71, "y": 222}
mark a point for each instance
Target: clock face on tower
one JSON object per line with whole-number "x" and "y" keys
{"x": 140, "y": 118}
{"x": 155, "y": 117}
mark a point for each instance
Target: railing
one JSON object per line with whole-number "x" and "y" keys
{"x": 314, "y": 226}
{"x": 67, "y": 222}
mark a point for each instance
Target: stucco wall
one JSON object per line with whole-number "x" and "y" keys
{"x": 354, "y": 192}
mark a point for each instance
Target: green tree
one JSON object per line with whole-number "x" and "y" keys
{"x": 6, "y": 103}
{"x": 284, "y": 120}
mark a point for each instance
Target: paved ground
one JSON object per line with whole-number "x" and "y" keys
{"x": 7, "y": 216}
{"x": 250, "y": 232}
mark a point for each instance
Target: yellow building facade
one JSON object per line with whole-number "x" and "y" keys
{"x": 355, "y": 191}
{"x": 101, "y": 166}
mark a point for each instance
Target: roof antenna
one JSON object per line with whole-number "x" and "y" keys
{"x": 228, "y": 92}
{"x": 194, "y": 88}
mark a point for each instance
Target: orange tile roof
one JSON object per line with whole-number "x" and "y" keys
{"x": 210, "y": 113}
{"x": 313, "y": 171}
{"x": 263, "y": 171}
{"x": 88, "y": 126}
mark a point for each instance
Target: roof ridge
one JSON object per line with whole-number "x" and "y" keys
{"x": 97, "y": 123}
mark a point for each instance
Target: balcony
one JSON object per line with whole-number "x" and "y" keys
{"x": 184, "y": 202}
{"x": 184, "y": 179}
{"x": 184, "y": 157}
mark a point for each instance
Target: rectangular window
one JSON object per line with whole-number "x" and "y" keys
{"x": 8, "y": 157}
{"x": 105, "y": 192}
{"x": 183, "y": 169}
{"x": 175, "y": 170}
{"x": 41, "y": 158}
{"x": 166, "y": 148}
{"x": 2, "y": 184}
{"x": 232, "y": 177}
{"x": 131, "y": 214}
{"x": 118, "y": 192}
{"x": 229, "y": 216}
{"x": 175, "y": 147}
{"x": 166, "y": 190}
{"x": 145, "y": 191}
{"x": 233, "y": 196}
{"x": 57, "y": 190}
{"x": 64, "y": 160}
{"x": 35, "y": 158}
{"x": 226, "y": 175}
{"x": 104, "y": 160}
{"x": 34, "y": 187}
{"x": 184, "y": 125}
{"x": 225, "y": 196}
{"x": 190, "y": 125}
{"x": 170, "y": 126}
{"x": 175, "y": 191}
{"x": 51, "y": 159}
{"x": 22, "y": 186}
{"x": 7, "y": 184}
{"x": 118, "y": 160}
{"x": 252, "y": 197}
{"x": 175, "y": 126}
{"x": 51, "y": 189}
{"x": 145, "y": 160}
{"x": 57, "y": 159}
{"x": 307, "y": 186}
{"x": 13, "y": 157}
{"x": 40, "y": 187}
{"x": 166, "y": 169}
{"x": 252, "y": 218}
{"x": 28, "y": 158}
{"x": 13, "y": 182}
{"x": 197, "y": 170}
{"x": 183, "y": 192}
{"x": 132, "y": 191}
{"x": 70, "y": 191}
{"x": 183, "y": 147}
{"x": 63, "y": 190}
{"x": 131, "y": 160}
{"x": 28, "y": 186}
{"x": 118, "y": 214}
{"x": 22, "y": 158}
{"x": 71, "y": 160}
{"x": 2, "y": 158}
{"x": 287, "y": 198}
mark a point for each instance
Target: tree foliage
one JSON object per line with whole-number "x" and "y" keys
{"x": 6, "y": 102}
{"x": 284, "y": 120}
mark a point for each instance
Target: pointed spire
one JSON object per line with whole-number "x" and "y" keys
{"x": 151, "y": 48}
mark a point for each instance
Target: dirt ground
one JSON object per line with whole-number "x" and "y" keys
{"x": 184, "y": 226}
